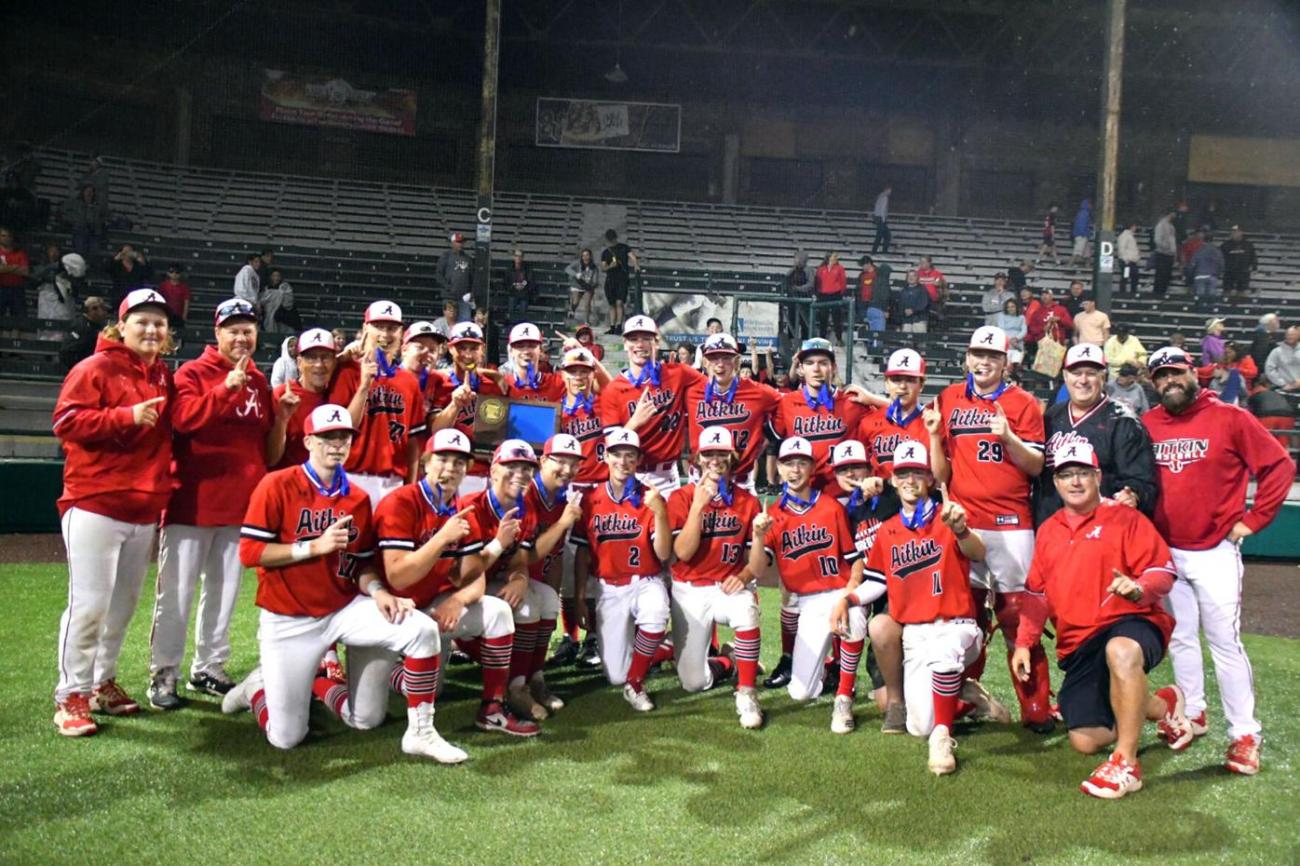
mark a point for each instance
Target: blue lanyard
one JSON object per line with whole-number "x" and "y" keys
{"x": 473, "y": 380}
{"x": 580, "y": 401}
{"x": 650, "y": 372}
{"x": 921, "y": 516}
{"x": 710, "y": 391}
{"x": 561, "y": 494}
{"x": 435, "y": 499}
{"x": 339, "y": 487}
{"x": 386, "y": 370}
{"x": 788, "y": 498}
{"x": 825, "y": 397}
{"x": 424, "y": 377}
{"x": 895, "y": 413}
{"x": 970, "y": 389}
{"x": 531, "y": 380}
{"x": 725, "y": 491}
{"x": 499, "y": 511}
{"x": 631, "y": 492}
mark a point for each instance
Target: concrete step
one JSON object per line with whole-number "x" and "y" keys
{"x": 21, "y": 447}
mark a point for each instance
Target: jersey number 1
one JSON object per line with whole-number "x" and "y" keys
{"x": 936, "y": 583}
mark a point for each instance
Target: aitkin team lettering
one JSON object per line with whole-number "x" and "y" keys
{"x": 313, "y": 521}
{"x": 660, "y": 399}
{"x": 969, "y": 422}
{"x": 1175, "y": 454}
{"x": 721, "y": 412}
{"x": 384, "y": 401}
{"x": 804, "y": 539}
{"x": 720, "y": 524}
{"x": 584, "y": 429}
{"x": 884, "y": 446}
{"x": 916, "y": 554}
{"x": 615, "y": 527}
{"x": 1063, "y": 439}
{"x": 816, "y": 427}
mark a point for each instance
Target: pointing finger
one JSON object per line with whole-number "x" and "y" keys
{"x": 464, "y": 511}
{"x": 509, "y": 515}
{"x": 153, "y": 401}
{"x": 943, "y": 491}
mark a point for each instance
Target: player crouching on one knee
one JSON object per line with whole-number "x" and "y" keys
{"x": 309, "y": 532}
{"x": 712, "y": 583}
{"x": 921, "y": 559}
{"x": 624, "y": 536}
{"x": 1102, "y": 569}
{"x": 805, "y": 534}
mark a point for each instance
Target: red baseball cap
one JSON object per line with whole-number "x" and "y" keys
{"x": 1076, "y": 454}
{"x": 449, "y": 440}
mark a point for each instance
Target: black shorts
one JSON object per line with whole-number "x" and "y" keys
{"x": 1084, "y": 698}
{"x": 615, "y": 290}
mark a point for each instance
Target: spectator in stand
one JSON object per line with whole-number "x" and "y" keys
{"x": 14, "y": 270}
{"x": 86, "y": 214}
{"x": 27, "y": 166}
{"x": 994, "y": 300}
{"x": 1267, "y": 334}
{"x": 285, "y": 368}
{"x": 1130, "y": 259}
{"x": 1073, "y": 300}
{"x": 1124, "y": 348}
{"x": 1028, "y": 303}
{"x": 1091, "y": 325}
{"x": 830, "y": 283}
{"x": 584, "y": 276}
{"x": 1231, "y": 377}
{"x": 277, "y": 306}
{"x": 873, "y": 296}
{"x": 1048, "y": 244}
{"x": 248, "y": 285}
{"x": 711, "y": 327}
{"x": 1012, "y": 321}
{"x": 1018, "y": 276}
{"x": 617, "y": 261}
{"x": 450, "y": 316}
{"x": 1048, "y": 318}
{"x": 800, "y": 282}
{"x": 1081, "y": 232}
{"x": 129, "y": 270}
{"x": 935, "y": 284}
{"x": 57, "y": 292}
{"x": 97, "y": 176}
{"x": 880, "y": 216}
{"x": 1212, "y": 343}
{"x": 176, "y": 292}
{"x": 1128, "y": 390}
{"x": 587, "y": 337}
{"x": 1186, "y": 250}
{"x": 455, "y": 277}
{"x": 912, "y": 307}
{"x": 1209, "y": 216}
{"x": 1282, "y": 369}
{"x": 1165, "y": 240}
{"x": 264, "y": 260}
{"x": 17, "y": 205}
{"x": 1239, "y": 260}
{"x": 1206, "y": 271}
{"x": 520, "y": 289}
{"x": 84, "y": 334}
{"x": 1179, "y": 341}
{"x": 1180, "y": 219}
{"x": 684, "y": 354}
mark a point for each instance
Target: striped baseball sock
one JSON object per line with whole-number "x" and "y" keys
{"x": 333, "y": 695}
{"x": 545, "y": 628}
{"x": 397, "y": 678}
{"x": 258, "y": 707}
{"x": 789, "y": 625}
{"x": 663, "y": 654}
{"x": 713, "y": 641}
{"x": 747, "y": 644}
{"x": 946, "y": 686}
{"x": 521, "y": 653}
{"x": 569, "y": 618}
{"x": 421, "y": 678}
{"x": 643, "y": 652}
{"x": 850, "y": 654}
{"x": 495, "y": 659}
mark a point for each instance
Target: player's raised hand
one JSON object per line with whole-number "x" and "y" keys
{"x": 872, "y": 485}
{"x": 237, "y": 377}
{"x": 463, "y": 396}
{"x": 369, "y": 369}
{"x": 705, "y": 490}
{"x": 932, "y": 420}
{"x": 998, "y": 424}
{"x": 146, "y": 413}
{"x": 573, "y": 509}
{"x": 645, "y": 410}
{"x": 334, "y": 538}
{"x": 954, "y": 516}
{"x": 1124, "y": 586}
{"x": 288, "y": 404}
{"x": 762, "y": 523}
{"x": 1020, "y": 665}
{"x": 508, "y": 530}
{"x": 567, "y": 342}
{"x": 653, "y": 498}
{"x": 456, "y": 528}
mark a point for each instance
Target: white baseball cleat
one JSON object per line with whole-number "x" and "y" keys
{"x": 638, "y": 700}
{"x": 422, "y": 738}
{"x": 240, "y": 697}
{"x": 751, "y": 714}
{"x": 542, "y": 693}
{"x": 842, "y": 715}
{"x": 521, "y": 701}
{"x": 942, "y": 749}
{"x": 987, "y": 707}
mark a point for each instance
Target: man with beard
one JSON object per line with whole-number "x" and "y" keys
{"x": 1207, "y": 452}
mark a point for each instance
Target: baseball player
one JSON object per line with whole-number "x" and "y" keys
{"x": 529, "y": 381}
{"x": 649, "y": 399}
{"x": 1101, "y": 570}
{"x": 806, "y": 536}
{"x": 986, "y": 443}
{"x": 454, "y": 394}
{"x": 113, "y": 419}
{"x": 883, "y": 432}
{"x": 1117, "y": 437}
{"x": 428, "y": 537}
{"x": 386, "y": 406}
{"x": 420, "y": 350}
{"x": 742, "y": 406}
{"x": 921, "y": 558}
{"x": 309, "y": 532}
{"x": 295, "y": 399}
{"x": 711, "y": 521}
{"x": 1204, "y": 446}
{"x": 220, "y": 417}
{"x": 624, "y": 538}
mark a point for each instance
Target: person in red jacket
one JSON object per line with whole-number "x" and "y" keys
{"x": 1100, "y": 572}
{"x": 1048, "y": 318}
{"x": 830, "y": 282}
{"x": 113, "y": 418}
{"x": 221, "y": 416}
{"x": 1207, "y": 451}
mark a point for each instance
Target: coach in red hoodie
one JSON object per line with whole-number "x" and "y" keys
{"x": 113, "y": 418}
{"x": 222, "y": 415}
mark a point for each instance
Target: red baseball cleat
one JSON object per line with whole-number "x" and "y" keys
{"x": 72, "y": 717}
{"x": 1113, "y": 779}
{"x": 496, "y": 716}
{"x": 332, "y": 670}
{"x": 1200, "y": 727}
{"x": 1174, "y": 728}
{"x": 1243, "y": 755}
{"x": 110, "y": 698}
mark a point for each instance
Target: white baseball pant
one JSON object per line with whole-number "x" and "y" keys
{"x": 540, "y": 602}
{"x": 1009, "y": 553}
{"x": 946, "y": 647}
{"x": 490, "y": 616}
{"x": 620, "y": 611}
{"x": 664, "y": 477}
{"x": 1207, "y": 597}
{"x": 184, "y": 554}
{"x": 376, "y": 486}
{"x": 107, "y": 562}
{"x": 292, "y": 647}
{"x": 812, "y": 639}
{"x": 694, "y": 611}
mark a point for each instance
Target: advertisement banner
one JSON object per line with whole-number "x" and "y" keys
{"x": 609, "y": 125}
{"x": 683, "y": 318}
{"x": 1244, "y": 161}
{"x": 321, "y": 101}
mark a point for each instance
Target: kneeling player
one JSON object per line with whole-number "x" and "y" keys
{"x": 1111, "y": 628}
{"x": 806, "y": 535}
{"x": 624, "y": 536}
{"x": 921, "y": 558}
{"x": 309, "y": 533}
{"x": 711, "y": 521}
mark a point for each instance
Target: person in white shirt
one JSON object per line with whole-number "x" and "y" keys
{"x": 1130, "y": 258}
{"x": 248, "y": 286}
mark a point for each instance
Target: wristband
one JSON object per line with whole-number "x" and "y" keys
{"x": 300, "y": 550}
{"x": 494, "y": 549}
{"x": 374, "y": 586}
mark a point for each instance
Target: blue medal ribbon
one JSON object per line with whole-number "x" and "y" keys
{"x": 424, "y": 377}
{"x": 340, "y": 486}
{"x": 631, "y": 492}
{"x": 970, "y": 389}
{"x": 825, "y": 397}
{"x": 725, "y": 491}
{"x": 711, "y": 391}
{"x": 561, "y": 494}
{"x": 650, "y": 373}
{"x": 386, "y": 370}
{"x": 894, "y": 413}
{"x": 433, "y": 495}
{"x": 580, "y": 401}
{"x": 921, "y": 516}
{"x": 532, "y": 381}
{"x": 473, "y": 380}
{"x": 788, "y": 498}
{"x": 500, "y": 511}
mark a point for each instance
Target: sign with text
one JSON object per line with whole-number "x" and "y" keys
{"x": 307, "y": 100}
{"x": 684, "y": 318}
{"x": 589, "y": 123}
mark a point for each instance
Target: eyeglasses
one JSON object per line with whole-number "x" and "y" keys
{"x": 234, "y": 308}
{"x": 1074, "y": 474}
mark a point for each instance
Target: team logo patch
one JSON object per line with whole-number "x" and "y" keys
{"x": 1176, "y": 454}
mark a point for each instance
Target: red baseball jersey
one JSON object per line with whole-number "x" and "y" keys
{"x": 406, "y": 520}
{"x": 295, "y": 452}
{"x": 724, "y": 535}
{"x": 882, "y": 436}
{"x": 287, "y": 507}
{"x": 619, "y": 535}
{"x": 1074, "y": 562}
{"x": 744, "y": 411}
{"x": 821, "y": 426}
{"x": 925, "y": 573}
{"x": 486, "y": 518}
{"x": 864, "y": 530}
{"x": 550, "y": 388}
{"x": 394, "y": 412}
{"x": 546, "y": 509}
{"x": 812, "y": 547}
{"x": 581, "y": 420}
{"x": 664, "y": 434}
{"x": 993, "y": 491}
{"x": 442, "y": 383}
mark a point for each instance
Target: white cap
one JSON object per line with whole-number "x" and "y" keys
{"x": 140, "y": 298}
{"x": 562, "y": 445}
{"x": 721, "y": 344}
{"x": 465, "y": 332}
{"x": 1085, "y": 353}
{"x": 514, "y": 451}
{"x": 911, "y": 454}
{"x": 235, "y": 308}
{"x": 905, "y": 362}
{"x": 449, "y": 440}
{"x": 849, "y": 452}
{"x": 578, "y": 358}
{"x": 640, "y": 325}
{"x": 316, "y": 338}
{"x": 525, "y": 332}
{"x": 1075, "y": 454}
{"x": 795, "y": 446}
{"x": 715, "y": 439}
{"x": 383, "y": 311}
{"x": 419, "y": 329}
{"x": 989, "y": 337}
{"x": 619, "y": 437}
{"x": 327, "y": 417}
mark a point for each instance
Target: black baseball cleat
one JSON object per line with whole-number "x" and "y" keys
{"x": 589, "y": 654}
{"x": 780, "y": 677}
{"x": 459, "y": 657}
{"x": 565, "y": 654}
{"x": 1040, "y": 726}
{"x": 212, "y": 682}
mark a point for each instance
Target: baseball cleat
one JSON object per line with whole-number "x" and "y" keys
{"x": 109, "y": 697}
{"x": 1174, "y": 728}
{"x": 943, "y": 758}
{"x": 333, "y": 671}
{"x": 1243, "y": 755}
{"x": 162, "y": 691}
{"x": 589, "y": 654}
{"x": 1113, "y": 779}
{"x": 542, "y": 693}
{"x": 522, "y": 702}
{"x": 566, "y": 653}
{"x": 1042, "y": 726}
{"x": 422, "y": 738}
{"x": 214, "y": 681}
{"x": 780, "y": 677}
{"x": 751, "y": 714}
{"x": 72, "y": 717}
{"x": 458, "y": 657}
{"x": 637, "y": 698}
{"x": 1199, "y": 726}
{"x": 498, "y": 717}
{"x": 986, "y": 708}
{"x": 842, "y": 715}
{"x": 241, "y": 696}
{"x": 895, "y": 719}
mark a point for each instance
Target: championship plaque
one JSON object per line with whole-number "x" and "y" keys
{"x": 499, "y": 418}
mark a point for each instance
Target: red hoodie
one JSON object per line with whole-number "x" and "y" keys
{"x": 112, "y": 466}
{"x": 220, "y": 441}
{"x": 1206, "y": 457}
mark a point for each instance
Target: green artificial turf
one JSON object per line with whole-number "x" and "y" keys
{"x": 684, "y": 784}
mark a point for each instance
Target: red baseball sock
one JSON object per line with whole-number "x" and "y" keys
{"x": 789, "y": 625}
{"x": 333, "y": 695}
{"x": 643, "y": 653}
{"x": 545, "y": 628}
{"x": 747, "y": 644}
{"x": 472, "y": 647}
{"x": 721, "y": 667}
{"x": 713, "y": 641}
{"x": 496, "y": 665}
{"x": 569, "y": 617}
{"x": 664, "y": 653}
{"x": 850, "y": 655}
{"x": 258, "y": 707}
{"x": 521, "y": 654}
{"x": 945, "y": 686}
{"x": 420, "y": 679}
{"x": 397, "y": 678}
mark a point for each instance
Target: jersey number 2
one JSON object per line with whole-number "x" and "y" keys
{"x": 634, "y": 556}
